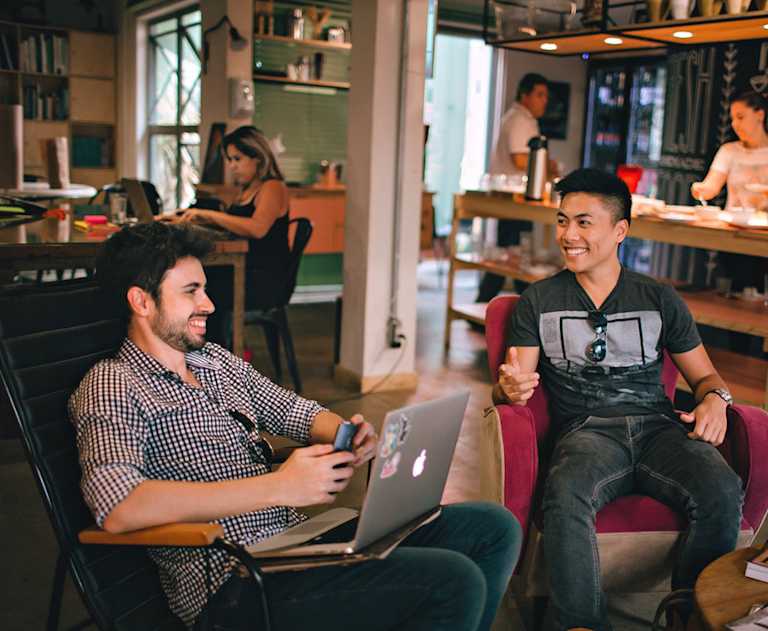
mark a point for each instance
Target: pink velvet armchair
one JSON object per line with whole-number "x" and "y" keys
{"x": 636, "y": 534}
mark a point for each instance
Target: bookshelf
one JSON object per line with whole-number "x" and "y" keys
{"x": 64, "y": 80}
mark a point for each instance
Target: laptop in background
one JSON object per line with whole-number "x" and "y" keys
{"x": 407, "y": 480}
{"x": 138, "y": 199}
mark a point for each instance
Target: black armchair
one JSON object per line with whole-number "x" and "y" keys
{"x": 49, "y": 337}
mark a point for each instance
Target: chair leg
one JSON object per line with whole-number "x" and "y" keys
{"x": 272, "y": 337}
{"x": 290, "y": 355}
{"x": 57, "y": 590}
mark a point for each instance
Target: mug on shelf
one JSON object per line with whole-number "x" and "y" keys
{"x": 682, "y": 9}
{"x": 709, "y": 8}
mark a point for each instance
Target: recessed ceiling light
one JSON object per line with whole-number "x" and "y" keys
{"x": 613, "y": 41}
{"x": 682, "y": 34}
{"x": 548, "y": 46}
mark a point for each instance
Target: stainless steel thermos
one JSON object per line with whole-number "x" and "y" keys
{"x": 537, "y": 168}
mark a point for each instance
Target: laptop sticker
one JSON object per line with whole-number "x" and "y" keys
{"x": 389, "y": 441}
{"x": 405, "y": 429}
{"x": 390, "y": 466}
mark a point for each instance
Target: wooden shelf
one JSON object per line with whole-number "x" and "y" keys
{"x": 743, "y": 316}
{"x": 509, "y": 269}
{"x": 473, "y": 312}
{"x": 704, "y": 30}
{"x": 339, "y": 85}
{"x": 311, "y": 43}
{"x": 747, "y": 377}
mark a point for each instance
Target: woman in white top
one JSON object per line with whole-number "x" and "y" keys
{"x": 743, "y": 162}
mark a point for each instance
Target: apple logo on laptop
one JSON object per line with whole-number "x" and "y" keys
{"x": 418, "y": 464}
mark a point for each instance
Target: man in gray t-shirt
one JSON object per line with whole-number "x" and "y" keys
{"x": 596, "y": 334}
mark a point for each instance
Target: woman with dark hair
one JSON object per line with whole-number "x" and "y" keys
{"x": 260, "y": 213}
{"x": 742, "y": 164}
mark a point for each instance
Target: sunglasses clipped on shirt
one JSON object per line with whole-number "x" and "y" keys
{"x": 597, "y": 349}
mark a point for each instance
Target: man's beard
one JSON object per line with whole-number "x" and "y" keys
{"x": 175, "y": 335}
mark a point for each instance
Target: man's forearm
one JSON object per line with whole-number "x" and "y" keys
{"x": 708, "y": 383}
{"x": 156, "y": 502}
{"x": 324, "y": 427}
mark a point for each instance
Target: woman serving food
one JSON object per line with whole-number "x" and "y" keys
{"x": 742, "y": 165}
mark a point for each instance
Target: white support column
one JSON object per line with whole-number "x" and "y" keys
{"x": 224, "y": 63}
{"x": 382, "y": 137}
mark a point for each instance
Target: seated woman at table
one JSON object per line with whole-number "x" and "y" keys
{"x": 743, "y": 162}
{"x": 259, "y": 214}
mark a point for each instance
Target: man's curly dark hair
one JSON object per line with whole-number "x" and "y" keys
{"x": 141, "y": 255}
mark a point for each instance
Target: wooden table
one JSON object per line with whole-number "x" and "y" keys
{"x": 723, "y": 594}
{"x": 81, "y": 252}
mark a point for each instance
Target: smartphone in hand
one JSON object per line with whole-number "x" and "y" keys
{"x": 344, "y": 435}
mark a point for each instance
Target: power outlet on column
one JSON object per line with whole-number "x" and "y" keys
{"x": 395, "y": 337}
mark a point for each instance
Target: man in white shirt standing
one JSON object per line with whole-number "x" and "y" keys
{"x": 519, "y": 124}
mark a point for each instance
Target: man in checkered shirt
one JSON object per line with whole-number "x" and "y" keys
{"x": 169, "y": 430}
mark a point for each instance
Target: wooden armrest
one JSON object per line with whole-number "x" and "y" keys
{"x": 183, "y": 535}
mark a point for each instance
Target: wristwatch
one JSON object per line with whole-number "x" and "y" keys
{"x": 722, "y": 393}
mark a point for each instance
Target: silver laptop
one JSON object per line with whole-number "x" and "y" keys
{"x": 138, "y": 198}
{"x": 407, "y": 479}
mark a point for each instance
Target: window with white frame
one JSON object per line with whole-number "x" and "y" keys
{"x": 174, "y": 105}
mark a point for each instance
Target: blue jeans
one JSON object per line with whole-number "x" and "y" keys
{"x": 604, "y": 458}
{"x": 449, "y": 574}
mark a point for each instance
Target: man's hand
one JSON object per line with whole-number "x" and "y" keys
{"x": 516, "y": 385}
{"x": 308, "y": 476}
{"x": 364, "y": 442}
{"x": 710, "y": 420}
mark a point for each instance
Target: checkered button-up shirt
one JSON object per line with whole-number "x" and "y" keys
{"x": 137, "y": 421}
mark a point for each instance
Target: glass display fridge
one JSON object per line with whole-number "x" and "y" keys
{"x": 625, "y": 117}
{"x": 624, "y": 124}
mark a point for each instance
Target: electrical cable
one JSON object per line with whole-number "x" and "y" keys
{"x": 381, "y": 382}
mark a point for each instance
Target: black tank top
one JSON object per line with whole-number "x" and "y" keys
{"x": 271, "y": 251}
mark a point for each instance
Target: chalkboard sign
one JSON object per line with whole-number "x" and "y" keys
{"x": 700, "y": 85}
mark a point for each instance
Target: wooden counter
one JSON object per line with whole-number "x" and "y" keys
{"x": 707, "y": 235}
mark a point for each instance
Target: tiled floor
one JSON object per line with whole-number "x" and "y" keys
{"x": 29, "y": 549}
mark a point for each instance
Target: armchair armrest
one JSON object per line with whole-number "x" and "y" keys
{"x": 744, "y": 448}
{"x": 521, "y": 461}
{"x": 180, "y": 535}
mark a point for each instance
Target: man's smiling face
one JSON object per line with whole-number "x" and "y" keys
{"x": 587, "y": 232}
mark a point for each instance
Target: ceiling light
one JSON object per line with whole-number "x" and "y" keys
{"x": 613, "y": 41}
{"x": 682, "y": 34}
{"x": 548, "y": 46}
{"x": 765, "y": 26}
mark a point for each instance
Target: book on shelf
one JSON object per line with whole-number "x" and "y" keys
{"x": 45, "y": 52}
{"x": 757, "y": 567}
{"x": 7, "y": 61}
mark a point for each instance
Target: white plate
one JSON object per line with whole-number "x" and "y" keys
{"x": 680, "y": 217}
{"x": 690, "y": 210}
{"x": 752, "y": 223}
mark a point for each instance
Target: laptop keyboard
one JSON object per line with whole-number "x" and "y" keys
{"x": 340, "y": 534}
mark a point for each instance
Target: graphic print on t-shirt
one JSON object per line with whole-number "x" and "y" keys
{"x": 632, "y": 339}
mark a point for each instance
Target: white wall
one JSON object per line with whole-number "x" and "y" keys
{"x": 571, "y": 70}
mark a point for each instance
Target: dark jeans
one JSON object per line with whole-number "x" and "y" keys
{"x": 508, "y": 233}
{"x": 450, "y": 574}
{"x": 604, "y": 458}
